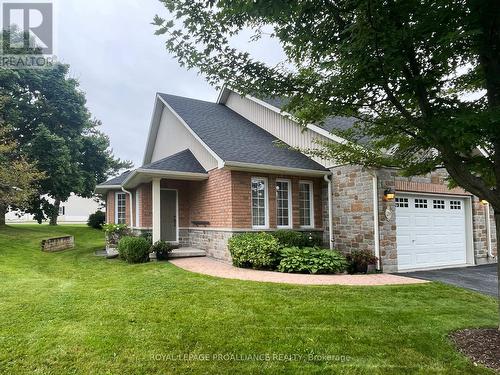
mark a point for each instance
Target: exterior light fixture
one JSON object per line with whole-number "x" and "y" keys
{"x": 389, "y": 194}
{"x": 484, "y": 202}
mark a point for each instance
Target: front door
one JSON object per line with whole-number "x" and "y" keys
{"x": 169, "y": 215}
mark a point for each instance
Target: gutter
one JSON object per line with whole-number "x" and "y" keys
{"x": 376, "y": 235}
{"x": 265, "y": 168}
{"x": 330, "y": 208}
{"x": 130, "y": 207}
{"x": 488, "y": 231}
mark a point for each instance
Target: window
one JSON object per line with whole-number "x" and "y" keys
{"x": 283, "y": 203}
{"x": 438, "y": 204}
{"x": 259, "y": 203}
{"x": 455, "y": 205}
{"x": 306, "y": 204}
{"x": 62, "y": 211}
{"x": 402, "y": 202}
{"x": 420, "y": 203}
{"x": 120, "y": 209}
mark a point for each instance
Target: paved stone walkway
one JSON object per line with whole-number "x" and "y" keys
{"x": 212, "y": 267}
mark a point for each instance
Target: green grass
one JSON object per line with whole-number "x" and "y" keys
{"x": 72, "y": 312}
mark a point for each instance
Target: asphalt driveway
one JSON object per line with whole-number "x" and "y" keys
{"x": 482, "y": 279}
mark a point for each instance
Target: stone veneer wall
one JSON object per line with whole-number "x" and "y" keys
{"x": 352, "y": 209}
{"x": 387, "y": 223}
{"x": 353, "y": 212}
{"x": 213, "y": 241}
{"x": 481, "y": 233}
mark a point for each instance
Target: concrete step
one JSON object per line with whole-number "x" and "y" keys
{"x": 187, "y": 252}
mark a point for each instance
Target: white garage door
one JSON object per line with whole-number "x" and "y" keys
{"x": 430, "y": 231}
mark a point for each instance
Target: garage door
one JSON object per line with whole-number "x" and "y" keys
{"x": 430, "y": 231}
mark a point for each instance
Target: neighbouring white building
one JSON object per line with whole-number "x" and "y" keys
{"x": 75, "y": 210}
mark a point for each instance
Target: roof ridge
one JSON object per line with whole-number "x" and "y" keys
{"x": 186, "y": 97}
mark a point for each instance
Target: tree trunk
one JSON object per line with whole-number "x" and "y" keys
{"x": 55, "y": 213}
{"x": 497, "y": 223}
{"x": 3, "y": 211}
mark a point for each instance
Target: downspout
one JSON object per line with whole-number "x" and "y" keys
{"x": 376, "y": 236}
{"x": 488, "y": 230}
{"x": 130, "y": 207}
{"x": 330, "y": 208}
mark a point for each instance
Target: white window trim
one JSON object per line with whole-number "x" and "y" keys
{"x": 311, "y": 198}
{"x": 266, "y": 202}
{"x": 116, "y": 206}
{"x": 290, "y": 206}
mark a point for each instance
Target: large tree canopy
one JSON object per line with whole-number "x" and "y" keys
{"x": 422, "y": 77}
{"x": 47, "y": 114}
{"x": 18, "y": 178}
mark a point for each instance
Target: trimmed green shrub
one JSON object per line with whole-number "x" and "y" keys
{"x": 291, "y": 238}
{"x": 311, "y": 260}
{"x": 134, "y": 249}
{"x": 148, "y": 236}
{"x": 161, "y": 249}
{"x": 254, "y": 250}
{"x": 359, "y": 260}
{"x": 96, "y": 220}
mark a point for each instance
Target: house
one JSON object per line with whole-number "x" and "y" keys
{"x": 212, "y": 170}
{"x": 75, "y": 210}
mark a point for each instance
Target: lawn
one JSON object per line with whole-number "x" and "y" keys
{"x": 73, "y": 312}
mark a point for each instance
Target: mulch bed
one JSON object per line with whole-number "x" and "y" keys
{"x": 480, "y": 346}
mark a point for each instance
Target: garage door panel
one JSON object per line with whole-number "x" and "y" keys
{"x": 440, "y": 221}
{"x": 430, "y": 236}
{"x": 403, "y": 240}
{"x": 422, "y": 221}
{"x": 441, "y": 239}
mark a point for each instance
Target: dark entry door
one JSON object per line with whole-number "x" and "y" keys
{"x": 169, "y": 215}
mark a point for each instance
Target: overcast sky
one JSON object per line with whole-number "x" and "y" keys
{"x": 121, "y": 64}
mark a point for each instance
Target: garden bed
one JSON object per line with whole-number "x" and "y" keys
{"x": 480, "y": 345}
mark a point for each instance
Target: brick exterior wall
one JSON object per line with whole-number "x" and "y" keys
{"x": 211, "y": 200}
{"x": 224, "y": 200}
{"x": 145, "y": 205}
{"x": 110, "y": 206}
{"x": 241, "y": 207}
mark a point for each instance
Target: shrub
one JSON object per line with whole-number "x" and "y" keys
{"x": 254, "y": 250}
{"x": 148, "y": 236}
{"x": 96, "y": 220}
{"x": 359, "y": 260}
{"x": 291, "y": 238}
{"x": 134, "y": 249}
{"x": 114, "y": 232}
{"x": 311, "y": 260}
{"x": 161, "y": 249}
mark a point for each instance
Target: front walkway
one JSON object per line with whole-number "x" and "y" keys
{"x": 212, "y": 267}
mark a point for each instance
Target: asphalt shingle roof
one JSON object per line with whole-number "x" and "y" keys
{"x": 234, "y": 138}
{"x": 183, "y": 161}
{"x": 118, "y": 179}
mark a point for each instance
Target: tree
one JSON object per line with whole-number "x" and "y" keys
{"x": 17, "y": 177}
{"x": 422, "y": 78}
{"x": 54, "y": 129}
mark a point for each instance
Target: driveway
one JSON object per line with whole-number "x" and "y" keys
{"x": 482, "y": 279}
